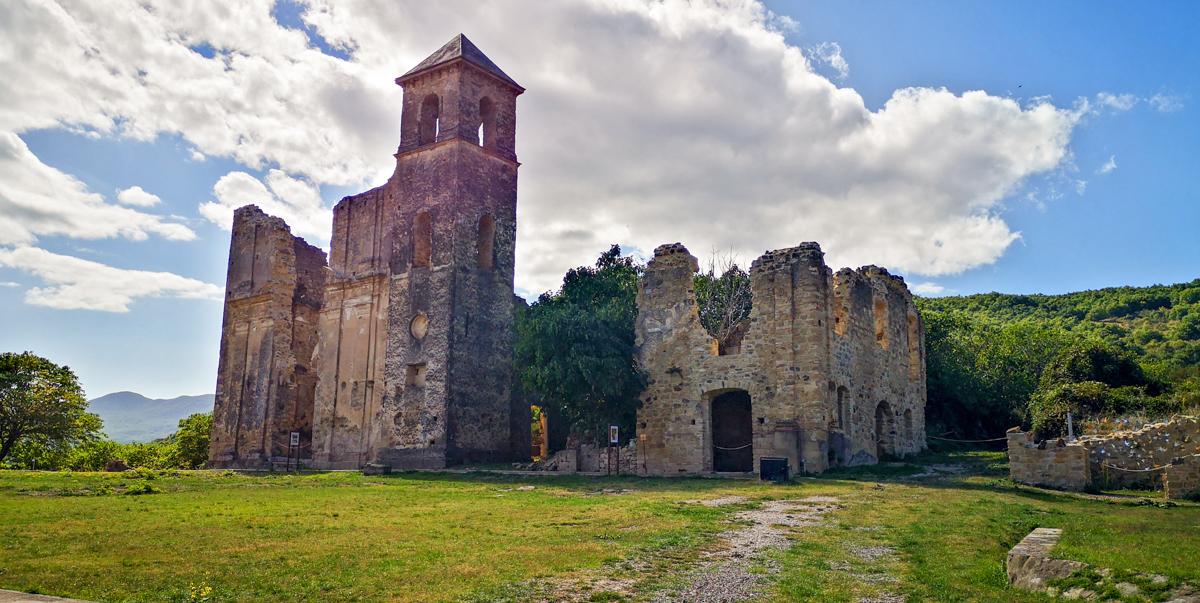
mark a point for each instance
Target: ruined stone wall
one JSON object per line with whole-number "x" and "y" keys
{"x": 877, "y": 393}
{"x": 1139, "y": 458}
{"x": 264, "y": 382}
{"x": 349, "y": 358}
{"x": 1182, "y": 478}
{"x": 810, "y": 343}
{"x": 1113, "y": 455}
{"x": 1054, "y": 463}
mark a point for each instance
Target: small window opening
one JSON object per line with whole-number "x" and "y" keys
{"x": 487, "y": 241}
{"x": 487, "y": 123}
{"x": 422, "y": 239}
{"x": 414, "y": 376}
{"x": 429, "y": 123}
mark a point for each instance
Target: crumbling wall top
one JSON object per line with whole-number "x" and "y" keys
{"x": 808, "y": 252}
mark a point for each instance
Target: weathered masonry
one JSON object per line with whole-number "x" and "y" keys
{"x": 828, "y": 370}
{"x": 399, "y": 351}
{"x": 1158, "y": 455}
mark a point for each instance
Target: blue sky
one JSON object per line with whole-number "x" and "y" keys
{"x": 1137, "y": 69}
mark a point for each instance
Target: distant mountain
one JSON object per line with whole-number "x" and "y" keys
{"x": 132, "y": 417}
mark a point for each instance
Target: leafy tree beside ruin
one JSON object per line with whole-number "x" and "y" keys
{"x": 575, "y": 347}
{"x": 41, "y": 405}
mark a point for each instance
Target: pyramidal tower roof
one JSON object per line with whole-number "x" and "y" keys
{"x": 458, "y": 48}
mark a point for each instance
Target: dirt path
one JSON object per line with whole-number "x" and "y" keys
{"x": 725, "y": 575}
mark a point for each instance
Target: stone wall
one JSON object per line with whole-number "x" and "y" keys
{"x": 1141, "y": 458}
{"x": 1055, "y": 464}
{"x": 1182, "y": 478}
{"x": 1031, "y": 567}
{"x": 1140, "y": 450}
{"x": 264, "y": 382}
{"x": 833, "y": 367}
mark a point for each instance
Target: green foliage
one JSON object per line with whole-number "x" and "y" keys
{"x": 574, "y": 348}
{"x": 724, "y": 300}
{"x": 981, "y": 373}
{"x": 190, "y": 442}
{"x": 981, "y": 380}
{"x": 187, "y": 448}
{"x": 42, "y": 407}
{"x": 1093, "y": 361}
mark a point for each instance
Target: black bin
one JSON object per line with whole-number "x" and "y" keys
{"x": 773, "y": 468}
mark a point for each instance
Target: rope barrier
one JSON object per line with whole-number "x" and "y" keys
{"x": 738, "y": 448}
{"x": 1158, "y": 468}
{"x": 968, "y": 441}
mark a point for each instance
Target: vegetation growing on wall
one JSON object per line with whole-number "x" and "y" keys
{"x": 724, "y": 297}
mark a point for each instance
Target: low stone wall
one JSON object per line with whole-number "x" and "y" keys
{"x": 1137, "y": 451}
{"x": 1055, "y": 464}
{"x": 1182, "y": 478}
{"x": 1140, "y": 458}
{"x": 1030, "y": 565}
{"x": 589, "y": 458}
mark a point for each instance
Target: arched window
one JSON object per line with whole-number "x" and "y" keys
{"x": 485, "y": 246}
{"x": 487, "y": 123}
{"x": 428, "y": 124}
{"x": 422, "y": 240}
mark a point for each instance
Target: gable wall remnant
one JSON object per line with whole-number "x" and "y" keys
{"x": 264, "y": 378}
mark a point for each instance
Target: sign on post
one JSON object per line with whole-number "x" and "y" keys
{"x": 613, "y": 435}
{"x": 295, "y": 438}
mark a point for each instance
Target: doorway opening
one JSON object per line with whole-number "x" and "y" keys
{"x": 732, "y": 432}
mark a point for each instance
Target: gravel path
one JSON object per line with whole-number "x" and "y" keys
{"x": 725, "y": 576}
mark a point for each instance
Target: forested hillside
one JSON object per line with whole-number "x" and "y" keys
{"x": 1114, "y": 350}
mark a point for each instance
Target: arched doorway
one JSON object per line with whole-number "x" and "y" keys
{"x": 732, "y": 432}
{"x": 885, "y": 430}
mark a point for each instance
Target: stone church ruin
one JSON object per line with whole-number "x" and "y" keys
{"x": 396, "y": 349}
{"x": 828, "y": 369}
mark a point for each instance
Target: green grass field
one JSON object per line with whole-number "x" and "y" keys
{"x": 484, "y": 537}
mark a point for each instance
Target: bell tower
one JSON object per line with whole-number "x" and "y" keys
{"x": 452, "y": 219}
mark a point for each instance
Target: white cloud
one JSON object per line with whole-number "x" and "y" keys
{"x": 9, "y": 284}
{"x": 76, "y": 284}
{"x": 1166, "y": 103}
{"x": 135, "y": 195}
{"x": 296, "y": 201}
{"x": 38, "y": 200}
{"x": 927, "y": 289}
{"x": 644, "y": 122}
{"x": 1108, "y": 166}
{"x": 830, "y": 53}
{"x": 1116, "y": 102}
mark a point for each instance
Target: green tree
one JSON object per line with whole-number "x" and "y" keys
{"x": 981, "y": 373}
{"x": 190, "y": 442}
{"x": 1093, "y": 361}
{"x": 575, "y": 347}
{"x": 41, "y": 403}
